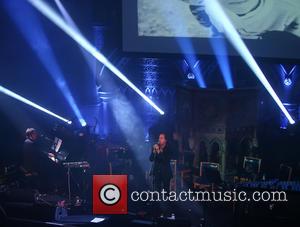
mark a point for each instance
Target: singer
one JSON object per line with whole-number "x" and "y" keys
{"x": 161, "y": 169}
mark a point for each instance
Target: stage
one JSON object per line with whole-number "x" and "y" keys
{"x": 149, "y": 113}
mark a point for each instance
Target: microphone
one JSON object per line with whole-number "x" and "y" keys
{"x": 156, "y": 148}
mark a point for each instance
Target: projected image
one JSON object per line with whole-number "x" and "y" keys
{"x": 253, "y": 19}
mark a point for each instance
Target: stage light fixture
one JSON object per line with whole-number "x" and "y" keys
{"x": 287, "y": 75}
{"x": 30, "y": 103}
{"x": 194, "y": 69}
{"x": 287, "y": 81}
{"x": 190, "y": 76}
{"x": 82, "y": 41}
{"x": 224, "y": 25}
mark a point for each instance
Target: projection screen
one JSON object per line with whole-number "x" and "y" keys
{"x": 270, "y": 28}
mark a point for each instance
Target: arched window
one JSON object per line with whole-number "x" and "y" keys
{"x": 214, "y": 154}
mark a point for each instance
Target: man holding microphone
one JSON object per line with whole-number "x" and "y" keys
{"x": 161, "y": 169}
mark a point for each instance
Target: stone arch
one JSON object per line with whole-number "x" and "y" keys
{"x": 215, "y": 150}
{"x": 216, "y": 153}
{"x": 201, "y": 154}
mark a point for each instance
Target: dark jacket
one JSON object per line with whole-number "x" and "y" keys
{"x": 31, "y": 156}
{"x": 161, "y": 163}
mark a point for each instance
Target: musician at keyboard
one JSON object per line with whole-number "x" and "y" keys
{"x": 36, "y": 166}
{"x": 32, "y": 153}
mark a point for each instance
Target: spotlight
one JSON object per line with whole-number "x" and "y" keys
{"x": 28, "y": 102}
{"x": 287, "y": 81}
{"x": 193, "y": 70}
{"x": 191, "y": 76}
{"x": 83, "y": 42}
{"x": 221, "y": 20}
{"x": 287, "y": 75}
{"x": 82, "y": 122}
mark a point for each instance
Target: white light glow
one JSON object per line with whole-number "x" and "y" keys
{"x": 82, "y": 122}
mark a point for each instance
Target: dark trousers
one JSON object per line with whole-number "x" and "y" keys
{"x": 161, "y": 181}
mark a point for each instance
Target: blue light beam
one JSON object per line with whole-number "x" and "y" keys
{"x": 28, "y": 102}
{"x": 185, "y": 44}
{"x": 71, "y": 22}
{"x": 33, "y": 32}
{"x": 219, "y": 47}
{"x": 224, "y": 24}
{"x": 82, "y": 41}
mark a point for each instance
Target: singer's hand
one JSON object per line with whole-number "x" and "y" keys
{"x": 155, "y": 148}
